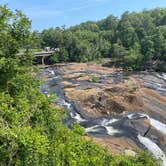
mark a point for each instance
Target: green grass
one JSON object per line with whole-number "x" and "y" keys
{"x": 95, "y": 79}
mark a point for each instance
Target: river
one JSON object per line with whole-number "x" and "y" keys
{"x": 118, "y": 125}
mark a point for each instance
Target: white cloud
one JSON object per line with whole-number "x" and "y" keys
{"x": 44, "y": 11}
{"x": 84, "y": 5}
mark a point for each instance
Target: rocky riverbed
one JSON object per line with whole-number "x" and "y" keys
{"x": 125, "y": 112}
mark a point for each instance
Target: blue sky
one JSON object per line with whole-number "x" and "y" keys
{"x": 52, "y": 13}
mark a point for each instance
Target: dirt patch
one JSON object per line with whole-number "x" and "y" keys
{"x": 115, "y": 145}
{"x": 75, "y": 67}
{"x": 115, "y": 100}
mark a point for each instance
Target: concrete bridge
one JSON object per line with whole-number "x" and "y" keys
{"x": 42, "y": 54}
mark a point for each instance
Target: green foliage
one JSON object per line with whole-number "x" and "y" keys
{"x": 31, "y": 128}
{"x": 161, "y": 66}
{"x": 55, "y": 58}
{"x": 78, "y": 129}
{"x": 95, "y": 79}
{"x": 135, "y": 40}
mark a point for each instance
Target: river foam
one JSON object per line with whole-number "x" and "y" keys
{"x": 153, "y": 148}
{"x": 77, "y": 117}
{"x": 158, "y": 125}
{"x": 106, "y": 122}
{"x": 92, "y": 129}
{"x": 62, "y": 102}
{"x": 111, "y": 131}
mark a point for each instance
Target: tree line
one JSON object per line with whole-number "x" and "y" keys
{"x": 135, "y": 41}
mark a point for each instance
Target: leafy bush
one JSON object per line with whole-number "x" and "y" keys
{"x": 95, "y": 79}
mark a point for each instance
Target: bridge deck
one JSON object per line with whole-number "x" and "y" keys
{"x": 43, "y": 53}
{"x": 40, "y": 54}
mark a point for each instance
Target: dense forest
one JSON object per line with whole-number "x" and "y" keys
{"x": 136, "y": 41}
{"x": 31, "y": 128}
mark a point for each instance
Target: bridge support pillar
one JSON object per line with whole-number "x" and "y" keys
{"x": 43, "y": 60}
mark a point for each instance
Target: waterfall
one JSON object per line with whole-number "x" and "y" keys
{"x": 158, "y": 125}
{"x": 153, "y": 148}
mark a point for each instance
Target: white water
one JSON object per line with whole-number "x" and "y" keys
{"x": 51, "y": 72}
{"x": 52, "y": 78}
{"x": 92, "y": 129}
{"x": 111, "y": 131}
{"x": 77, "y": 117}
{"x": 153, "y": 148}
{"x": 62, "y": 102}
{"x": 150, "y": 145}
{"x": 55, "y": 77}
{"x": 140, "y": 115}
{"x": 155, "y": 123}
{"x": 158, "y": 125}
{"x": 106, "y": 122}
{"x": 164, "y": 76}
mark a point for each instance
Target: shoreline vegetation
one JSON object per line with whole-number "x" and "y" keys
{"x": 31, "y": 128}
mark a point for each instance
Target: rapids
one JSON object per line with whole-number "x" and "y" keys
{"x": 107, "y": 126}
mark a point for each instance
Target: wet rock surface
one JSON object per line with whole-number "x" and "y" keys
{"x": 122, "y": 111}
